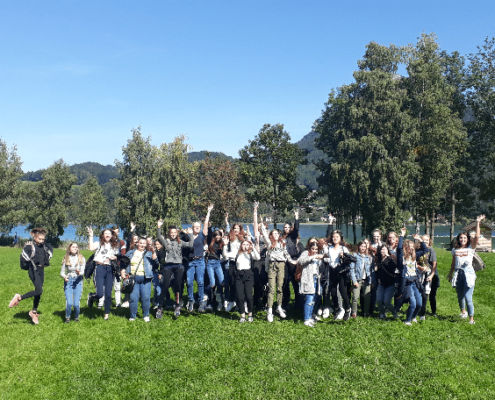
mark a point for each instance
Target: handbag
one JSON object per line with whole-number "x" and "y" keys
{"x": 127, "y": 285}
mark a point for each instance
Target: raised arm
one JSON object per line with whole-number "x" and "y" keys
{"x": 159, "y": 235}
{"x": 207, "y": 220}
{"x": 90, "y": 238}
{"x": 265, "y": 235}
{"x": 474, "y": 242}
{"x": 295, "y": 232}
{"x": 255, "y": 217}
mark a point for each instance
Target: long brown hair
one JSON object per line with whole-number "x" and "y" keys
{"x": 114, "y": 240}
{"x": 239, "y": 236}
{"x": 215, "y": 234}
{"x": 242, "y": 251}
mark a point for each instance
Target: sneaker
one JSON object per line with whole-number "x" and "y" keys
{"x": 105, "y": 317}
{"x": 280, "y": 311}
{"x": 250, "y": 319}
{"x": 422, "y": 318}
{"x": 339, "y": 315}
{"x": 67, "y": 321}
{"x": 205, "y": 297}
{"x": 91, "y": 299}
{"x": 407, "y": 323}
{"x": 463, "y": 315}
{"x": 326, "y": 313}
{"x": 209, "y": 308}
{"x": 190, "y": 306}
{"x": 472, "y": 322}
{"x": 269, "y": 317}
{"x": 177, "y": 311}
{"x": 159, "y": 314}
{"x": 242, "y": 320}
{"x": 382, "y": 316}
{"x": 76, "y": 319}
{"x": 146, "y": 319}
{"x": 155, "y": 307}
{"x": 347, "y": 315}
{"x": 309, "y": 323}
{"x": 15, "y": 300}
{"x": 415, "y": 320}
{"x": 225, "y": 305}
{"x": 230, "y": 306}
{"x": 34, "y": 317}
{"x": 316, "y": 318}
{"x": 202, "y": 306}
{"x": 132, "y": 319}
{"x": 320, "y": 311}
{"x": 125, "y": 304}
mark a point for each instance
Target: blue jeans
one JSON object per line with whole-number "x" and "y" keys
{"x": 104, "y": 279}
{"x": 464, "y": 294}
{"x": 157, "y": 289}
{"x": 213, "y": 267}
{"x": 196, "y": 267}
{"x": 73, "y": 290}
{"x": 384, "y": 296}
{"x": 309, "y": 302}
{"x": 142, "y": 288}
{"x": 415, "y": 301}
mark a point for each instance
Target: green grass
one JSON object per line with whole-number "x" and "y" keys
{"x": 213, "y": 356}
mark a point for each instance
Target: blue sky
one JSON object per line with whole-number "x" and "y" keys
{"x": 76, "y": 77}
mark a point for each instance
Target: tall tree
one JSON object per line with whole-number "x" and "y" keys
{"x": 219, "y": 183}
{"x": 10, "y": 188}
{"x": 91, "y": 208}
{"x": 49, "y": 203}
{"x": 268, "y": 168}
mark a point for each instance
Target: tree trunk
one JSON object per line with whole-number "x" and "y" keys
{"x": 452, "y": 224}
{"x": 417, "y": 223}
{"x": 427, "y": 225}
{"x": 432, "y": 229}
{"x": 354, "y": 228}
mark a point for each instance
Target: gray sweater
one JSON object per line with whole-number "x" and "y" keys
{"x": 173, "y": 248}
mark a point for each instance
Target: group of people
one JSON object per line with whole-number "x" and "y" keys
{"x": 234, "y": 268}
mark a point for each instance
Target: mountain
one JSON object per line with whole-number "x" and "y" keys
{"x": 104, "y": 173}
{"x": 201, "y": 155}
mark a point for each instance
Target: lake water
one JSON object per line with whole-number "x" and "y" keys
{"x": 442, "y": 232}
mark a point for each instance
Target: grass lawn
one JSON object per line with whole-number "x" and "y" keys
{"x": 213, "y": 356}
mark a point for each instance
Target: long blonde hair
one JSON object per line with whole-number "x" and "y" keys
{"x": 66, "y": 258}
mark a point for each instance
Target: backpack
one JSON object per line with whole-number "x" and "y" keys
{"x": 25, "y": 261}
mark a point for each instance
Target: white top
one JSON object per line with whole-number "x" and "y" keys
{"x": 101, "y": 255}
{"x": 244, "y": 259}
{"x": 464, "y": 262}
{"x": 333, "y": 255}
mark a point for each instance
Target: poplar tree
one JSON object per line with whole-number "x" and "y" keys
{"x": 49, "y": 200}
{"x": 10, "y": 188}
{"x": 268, "y": 168}
{"x": 91, "y": 208}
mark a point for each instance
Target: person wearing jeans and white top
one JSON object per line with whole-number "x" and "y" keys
{"x": 72, "y": 271}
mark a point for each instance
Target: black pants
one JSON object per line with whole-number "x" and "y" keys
{"x": 260, "y": 280}
{"x": 170, "y": 271}
{"x": 433, "y": 297}
{"x": 290, "y": 271}
{"x": 230, "y": 282}
{"x": 38, "y": 278}
{"x": 244, "y": 283}
{"x": 337, "y": 279}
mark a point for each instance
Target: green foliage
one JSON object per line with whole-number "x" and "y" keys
{"x": 219, "y": 184}
{"x": 104, "y": 173}
{"x": 193, "y": 156}
{"x": 213, "y": 356}
{"x": 48, "y": 200}
{"x": 268, "y": 166}
{"x": 10, "y": 188}
{"x": 90, "y": 208}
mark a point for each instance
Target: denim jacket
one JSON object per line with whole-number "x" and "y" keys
{"x": 400, "y": 262}
{"x": 148, "y": 263}
{"x": 363, "y": 261}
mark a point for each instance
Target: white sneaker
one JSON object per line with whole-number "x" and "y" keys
{"x": 230, "y": 306}
{"x": 414, "y": 320}
{"x": 309, "y": 323}
{"x": 205, "y": 297}
{"x": 320, "y": 311}
{"x": 132, "y": 319}
{"x": 125, "y": 304}
{"x": 316, "y": 318}
{"x": 326, "y": 313}
{"x": 463, "y": 315}
{"x": 340, "y": 314}
{"x": 472, "y": 322}
{"x": 269, "y": 317}
{"x": 225, "y": 304}
{"x": 146, "y": 319}
{"x": 422, "y": 318}
{"x": 407, "y": 323}
{"x": 280, "y": 311}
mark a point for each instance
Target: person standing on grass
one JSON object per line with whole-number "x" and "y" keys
{"x": 214, "y": 267}
{"x": 462, "y": 275}
{"x": 172, "y": 265}
{"x": 310, "y": 262}
{"x": 72, "y": 271}
{"x": 385, "y": 280}
{"x": 38, "y": 255}
{"x": 142, "y": 262}
{"x": 410, "y": 286}
{"x": 277, "y": 256}
{"x": 244, "y": 278}
{"x": 231, "y": 245}
{"x": 106, "y": 251}
{"x": 289, "y": 236}
{"x": 361, "y": 271}
{"x": 259, "y": 266}
{"x": 431, "y": 280}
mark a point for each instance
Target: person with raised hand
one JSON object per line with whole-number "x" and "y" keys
{"x": 461, "y": 274}
{"x": 72, "y": 271}
{"x": 172, "y": 265}
{"x": 289, "y": 236}
{"x": 214, "y": 267}
{"x": 259, "y": 266}
{"x": 106, "y": 251}
{"x": 231, "y": 245}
